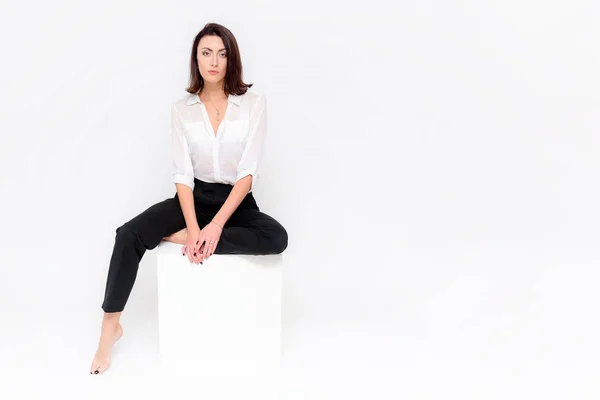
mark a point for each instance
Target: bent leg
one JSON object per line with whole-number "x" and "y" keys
{"x": 250, "y": 231}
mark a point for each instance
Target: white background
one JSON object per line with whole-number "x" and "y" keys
{"x": 434, "y": 162}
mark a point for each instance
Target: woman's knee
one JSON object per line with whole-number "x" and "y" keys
{"x": 124, "y": 231}
{"x": 279, "y": 239}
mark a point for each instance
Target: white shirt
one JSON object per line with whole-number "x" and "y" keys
{"x": 226, "y": 157}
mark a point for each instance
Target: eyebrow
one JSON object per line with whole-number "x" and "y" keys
{"x": 211, "y": 49}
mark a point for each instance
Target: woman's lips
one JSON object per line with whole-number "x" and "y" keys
{"x": 213, "y": 72}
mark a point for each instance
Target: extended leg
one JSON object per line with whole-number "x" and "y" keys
{"x": 144, "y": 232}
{"x": 133, "y": 238}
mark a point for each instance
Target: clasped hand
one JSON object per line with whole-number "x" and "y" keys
{"x": 201, "y": 243}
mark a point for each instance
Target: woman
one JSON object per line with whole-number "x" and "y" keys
{"x": 218, "y": 132}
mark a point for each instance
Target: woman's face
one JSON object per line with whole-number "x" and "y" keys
{"x": 212, "y": 56}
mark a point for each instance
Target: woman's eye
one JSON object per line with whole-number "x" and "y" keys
{"x": 206, "y": 53}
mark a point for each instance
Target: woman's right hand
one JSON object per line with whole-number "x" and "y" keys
{"x": 190, "y": 245}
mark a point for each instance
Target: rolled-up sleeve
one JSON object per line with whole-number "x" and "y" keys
{"x": 249, "y": 161}
{"x": 183, "y": 170}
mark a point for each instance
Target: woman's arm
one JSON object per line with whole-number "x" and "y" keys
{"x": 186, "y": 200}
{"x": 183, "y": 171}
{"x": 249, "y": 161}
{"x": 237, "y": 194}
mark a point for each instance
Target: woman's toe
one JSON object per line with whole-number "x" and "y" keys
{"x": 102, "y": 368}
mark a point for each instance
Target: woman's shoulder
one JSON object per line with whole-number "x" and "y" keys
{"x": 252, "y": 97}
{"x": 185, "y": 100}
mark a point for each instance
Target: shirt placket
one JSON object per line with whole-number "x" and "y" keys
{"x": 215, "y": 140}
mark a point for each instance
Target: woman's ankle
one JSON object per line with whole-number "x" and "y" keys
{"x": 111, "y": 319}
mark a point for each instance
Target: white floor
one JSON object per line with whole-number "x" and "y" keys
{"x": 472, "y": 340}
{"x": 317, "y": 365}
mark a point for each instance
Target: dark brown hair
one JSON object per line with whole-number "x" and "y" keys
{"x": 233, "y": 75}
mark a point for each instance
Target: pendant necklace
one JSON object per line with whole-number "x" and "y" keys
{"x": 218, "y": 112}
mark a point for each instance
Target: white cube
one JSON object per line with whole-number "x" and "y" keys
{"x": 221, "y": 317}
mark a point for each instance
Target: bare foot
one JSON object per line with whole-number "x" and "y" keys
{"x": 108, "y": 338}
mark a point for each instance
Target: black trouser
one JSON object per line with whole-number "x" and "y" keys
{"x": 248, "y": 231}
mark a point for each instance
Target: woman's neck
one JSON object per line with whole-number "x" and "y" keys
{"x": 212, "y": 91}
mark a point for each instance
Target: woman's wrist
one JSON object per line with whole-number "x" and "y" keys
{"x": 194, "y": 227}
{"x": 217, "y": 224}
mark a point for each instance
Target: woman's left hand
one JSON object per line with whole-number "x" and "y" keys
{"x": 210, "y": 236}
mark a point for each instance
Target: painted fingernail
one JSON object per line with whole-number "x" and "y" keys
{"x": 96, "y": 371}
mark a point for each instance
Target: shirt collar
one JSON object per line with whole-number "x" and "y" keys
{"x": 194, "y": 98}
